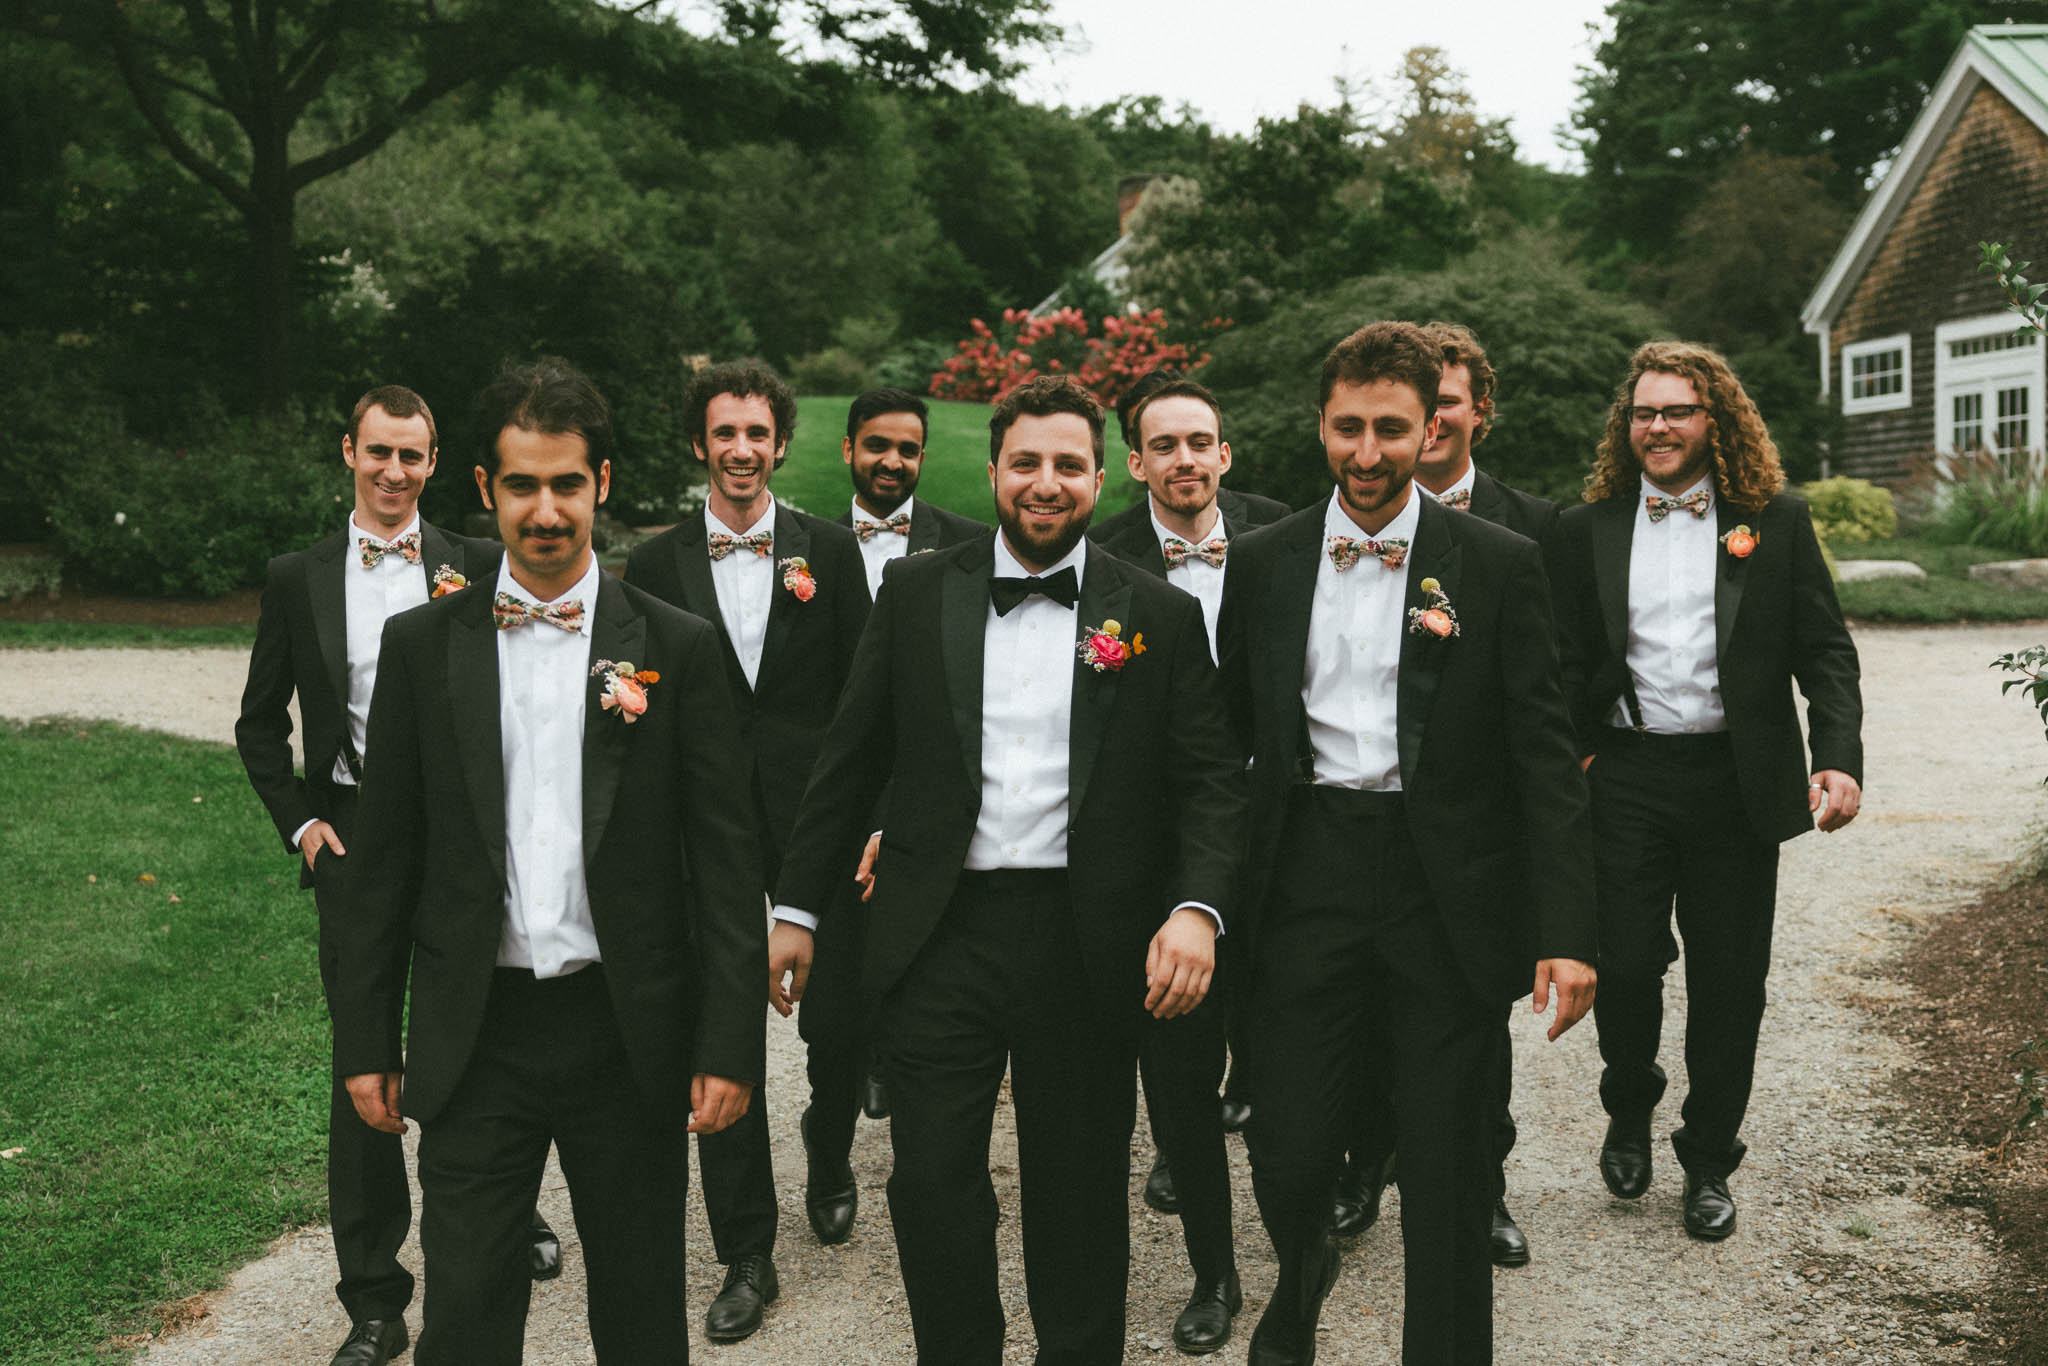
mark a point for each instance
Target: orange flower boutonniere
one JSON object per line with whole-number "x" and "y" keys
{"x": 1741, "y": 542}
{"x": 447, "y": 581}
{"x": 1104, "y": 649}
{"x": 797, "y": 578}
{"x": 1437, "y": 619}
{"x": 625, "y": 688}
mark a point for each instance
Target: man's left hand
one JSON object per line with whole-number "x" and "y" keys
{"x": 716, "y": 1102}
{"x": 1180, "y": 963}
{"x": 1574, "y": 982}
{"x": 1835, "y": 796}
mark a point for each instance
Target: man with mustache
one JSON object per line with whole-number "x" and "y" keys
{"x": 549, "y": 844}
{"x": 1693, "y": 595}
{"x": 788, "y": 595}
{"x": 1058, "y": 846}
{"x": 317, "y": 636}
{"x": 1181, "y": 532}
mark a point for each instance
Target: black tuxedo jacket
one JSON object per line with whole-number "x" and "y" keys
{"x": 1129, "y": 536}
{"x": 1156, "y": 796}
{"x": 931, "y": 526}
{"x": 1776, "y": 621}
{"x": 669, "y": 860}
{"x": 1522, "y": 513}
{"x": 804, "y": 660}
{"x": 302, "y": 647}
{"x": 1494, "y": 797}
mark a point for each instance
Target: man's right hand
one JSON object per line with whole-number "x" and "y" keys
{"x": 319, "y": 835}
{"x": 789, "y": 955}
{"x": 376, "y": 1095}
{"x": 865, "y": 874}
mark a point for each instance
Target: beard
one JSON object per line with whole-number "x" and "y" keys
{"x": 1049, "y": 545}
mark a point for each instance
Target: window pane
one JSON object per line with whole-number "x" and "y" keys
{"x": 2012, "y": 427}
{"x": 1877, "y": 373}
{"x": 1968, "y": 430}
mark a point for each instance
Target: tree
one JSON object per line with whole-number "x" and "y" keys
{"x": 258, "y": 99}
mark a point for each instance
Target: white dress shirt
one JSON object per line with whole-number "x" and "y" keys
{"x": 543, "y": 679}
{"x": 885, "y": 545}
{"x": 1465, "y": 483}
{"x": 1672, "y": 655}
{"x": 745, "y": 583}
{"x": 1194, "y": 574}
{"x": 1351, "y": 677}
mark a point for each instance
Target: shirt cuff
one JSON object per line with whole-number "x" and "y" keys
{"x": 793, "y": 916}
{"x": 300, "y": 833}
{"x": 1207, "y": 910}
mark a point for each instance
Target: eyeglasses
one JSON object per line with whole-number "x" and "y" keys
{"x": 1675, "y": 415}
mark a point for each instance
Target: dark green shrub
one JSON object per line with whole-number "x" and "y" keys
{"x": 832, "y": 371}
{"x": 1999, "y": 501}
{"x": 1846, "y": 509}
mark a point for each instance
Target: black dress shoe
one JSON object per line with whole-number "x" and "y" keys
{"x": 874, "y": 1099}
{"x": 830, "y": 1195}
{"x": 1709, "y": 1208}
{"x": 1159, "y": 1191}
{"x": 1509, "y": 1247}
{"x": 1357, "y": 1204}
{"x": 750, "y": 1286}
{"x": 371, "y": 1343}
{"x": 1625, "y": 1156}
{"x": 547, "y": 1250}
{"x": 1204, "y": 1325}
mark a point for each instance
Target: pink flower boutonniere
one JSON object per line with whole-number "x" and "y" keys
{"x": 1741, "y": 542}
{"x": 1104, "y": 649}
{"x": 625, "y": 688}
{"x": 1438, "y": 618}
{"x": 797, "y": 578}
{"x": 447, "y": 581}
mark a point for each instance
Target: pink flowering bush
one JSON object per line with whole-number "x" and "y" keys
{"x": 1107, "y": 361}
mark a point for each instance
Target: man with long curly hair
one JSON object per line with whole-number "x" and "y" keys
{"x": 1693, "y": 595}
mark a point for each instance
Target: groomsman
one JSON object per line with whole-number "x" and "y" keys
{"x": 1181, "y": 532}
{"x": 323, "y": 614}
{"x": 1694, "y": 596}
{"x": 788, "y": 596}
{"x": 1418, "y": 837}
{"x": 548, "y": 839}
{"x": 1061, "y": 804}
{"x": 1464, "y": 414}
{"x": 884, "y": 450}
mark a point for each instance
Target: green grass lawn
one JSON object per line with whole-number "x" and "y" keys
{"x": 164, "y": 1044}
{"x": 56, "y": 635}
{"x": 1946, "y": 594}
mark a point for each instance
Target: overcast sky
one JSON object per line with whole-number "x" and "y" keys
{"x": 1237, "y": 61}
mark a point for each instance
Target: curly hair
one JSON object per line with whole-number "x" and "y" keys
{"x": 1745, "y": 460}
{"x": 1459, "y": 347}
{"x": 742, "y": 379}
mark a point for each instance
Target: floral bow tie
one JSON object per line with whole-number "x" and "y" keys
{"x": 762, "y": 543}
{"x": 374, "y": 551}
{"x": 868, "y": 530}
{"x": 512, "y": 613}
{"x": 1457, "y": 498}
{"x": 1212, "y": 551}
{"x": 1661, "y": 507}
{"x": 1345, "y": 552}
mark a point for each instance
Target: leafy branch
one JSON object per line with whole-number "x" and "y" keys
{"x": 2021, "y": 295}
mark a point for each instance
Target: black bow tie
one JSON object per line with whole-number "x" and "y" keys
{"x": 1062, "y": 588}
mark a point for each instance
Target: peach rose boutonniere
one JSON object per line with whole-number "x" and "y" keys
{"x": 1741, "y": 542}
{"x": 1438, "y": 618}
{"x": 447, "y": 581}
{"x": 625, "y": 688}
{"x": 1104, "y": 649}
{"x": 798, "y": 579}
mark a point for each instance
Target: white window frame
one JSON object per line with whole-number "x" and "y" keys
{"x": 2021, "y": 366}
{"x": 1902, "y": 343}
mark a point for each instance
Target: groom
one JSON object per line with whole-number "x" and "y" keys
{"x": 1061, "y": 819}
{"x": 548, "y": 837}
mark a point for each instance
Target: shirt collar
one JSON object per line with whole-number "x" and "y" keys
{"x": 1008, "y": 566}
{"x": 584, "y": 590}
{"x": 861, "y": 514}
{"x": 1704, "y": 482}
{"x": 1465, "y": 482}
{"x": 1159, "y": 530}
{"x": 712, "y": 525}
{"x": 357, "y": 534}
{"x": 1337, "y": 522}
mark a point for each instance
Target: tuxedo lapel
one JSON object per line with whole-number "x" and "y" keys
{"x": 1105, "y": 596}
{"x": 327, "y": 587}
{"x": 436, "y": 550}
{"x": 1488, "y": 503}
{"x": 963, "y": 627}
{"x": 924, "y": 529}
{"x": 700, "y": 598}
{"x": 1436, "y": 555}
{"x": 1289, "y": 602}
{"x": 1730, "y": 573}
{"x": 1138, "y": 544}
{"x": 792, "y": 541}
{"x": 473, "y": 679}
{"x": 617, "y": 633}
{"x": 1613, "y": 533}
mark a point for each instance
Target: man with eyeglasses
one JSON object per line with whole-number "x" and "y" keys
{"x": 1691, "y": 596}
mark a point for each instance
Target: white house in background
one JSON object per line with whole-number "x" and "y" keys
{"x": 1109, "y": 265}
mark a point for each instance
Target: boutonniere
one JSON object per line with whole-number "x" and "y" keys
{"x": 1741, "y": 542}
{"x": 1438, "y": 618}
{"x": 625, "y": 688}
{"x": 798, "y": 579}
{"x": 447, "y": 581}
{"x": 1104, "y": 650}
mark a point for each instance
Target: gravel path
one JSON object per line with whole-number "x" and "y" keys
{"x": 1837, "y": 1256}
